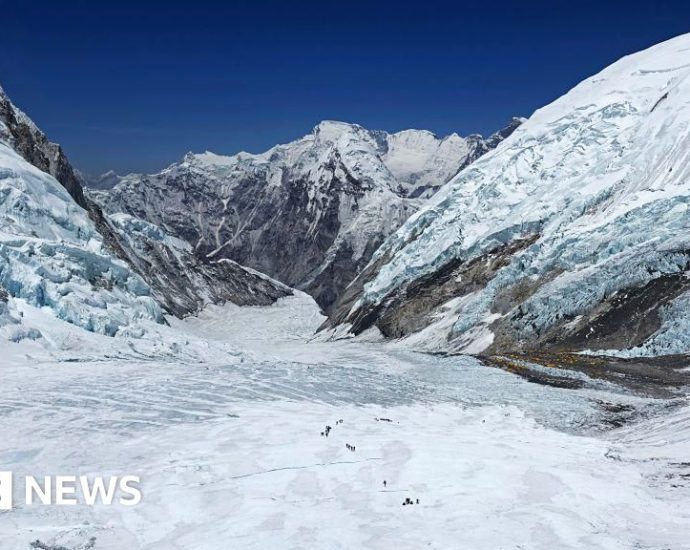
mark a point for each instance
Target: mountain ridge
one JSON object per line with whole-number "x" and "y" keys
{"x": 568, "y": 236}
{"x": 309, "y": 213}
{"x": 141, "y": 257}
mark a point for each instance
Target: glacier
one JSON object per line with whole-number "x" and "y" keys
{"x": 216, "y": 391}
{"x": 220, "y": 415}
{"x": 51, "y": 255}
{"x": 585, "y": 207}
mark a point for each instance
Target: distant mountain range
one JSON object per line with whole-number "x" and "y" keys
{"x": 309, "y": 213}
{"x": 566, "y": 232}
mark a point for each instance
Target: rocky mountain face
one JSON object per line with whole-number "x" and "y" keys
{"x": 181, "y": 281}
{"x": 58, "y": 249}
{"x": 20, "y": 133}
{"x": 572, "y": 235}
{"x": 310, "y": 213}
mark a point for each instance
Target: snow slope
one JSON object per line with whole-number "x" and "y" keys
{"x": 572, "y": 233}
{"x": 220, "y": 415}
{"x": 309, "y": 213}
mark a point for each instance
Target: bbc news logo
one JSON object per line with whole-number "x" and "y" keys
{"x": 71, "y": 490}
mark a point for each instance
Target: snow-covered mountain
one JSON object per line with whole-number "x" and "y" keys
{"x": 422, "y": 163}
{"x": 310, "y": 213}
{"x": 572, "y": 234}
{"x": 59, "y": 250}
{"x": 50, "y": 252}
{"x": 107, "y": 180}
{"x": 20, "y": 133}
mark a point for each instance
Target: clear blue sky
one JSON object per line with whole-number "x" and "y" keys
{"x": 125, "y": 86}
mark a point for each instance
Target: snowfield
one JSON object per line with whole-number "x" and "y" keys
{"x": 221, "y": 416}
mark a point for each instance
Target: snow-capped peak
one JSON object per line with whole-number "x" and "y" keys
{"x": 586, "y": 201}
{"x": 329, "y": 131}
{"x": 328, "y": 198}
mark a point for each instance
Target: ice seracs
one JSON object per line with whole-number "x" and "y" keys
{"x": 571, "y": 234}
{"x": 52, "y": 256}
